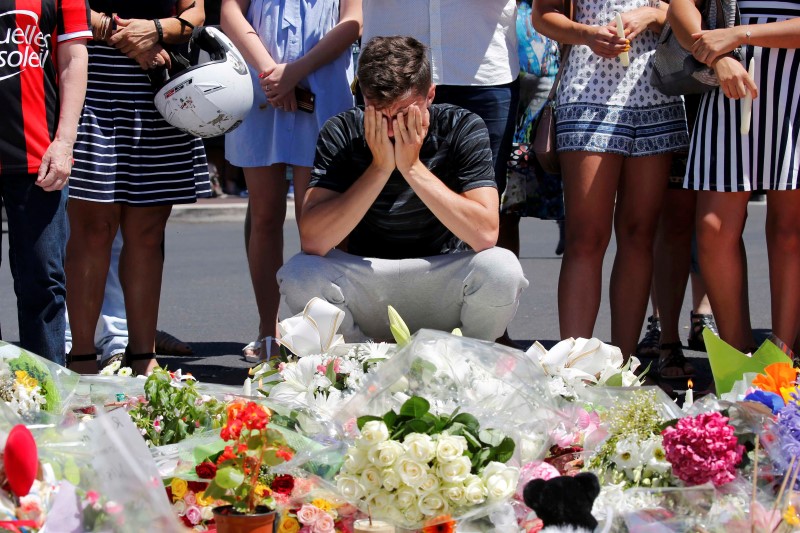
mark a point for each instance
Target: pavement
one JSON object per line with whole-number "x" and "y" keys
{"x": 207, "y": 297}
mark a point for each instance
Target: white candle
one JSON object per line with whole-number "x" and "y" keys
{"x": 623, "y": 57}
{"x": 688, "y": 399}
{"x": 247, "y": 389}
{"x": 364, "y": 526}
{"x": 747, "y": 102}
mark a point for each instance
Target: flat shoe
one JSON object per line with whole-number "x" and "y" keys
{"x": 674, "y": 359}
{"x": 167, "y": 344}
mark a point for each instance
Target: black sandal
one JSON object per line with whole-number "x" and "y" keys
{"x": 129, "y": 358}
{"x": 698, "y": 323}
{"x": 674, "y": 359}
{"x": 82, "y": 358}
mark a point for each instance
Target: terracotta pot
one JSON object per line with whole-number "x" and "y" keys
{"x": 230, "y": 521}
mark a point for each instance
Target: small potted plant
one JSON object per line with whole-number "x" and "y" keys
{"x": 242, "y": 471}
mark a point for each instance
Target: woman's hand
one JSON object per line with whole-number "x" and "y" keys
{"x": 604, "y": 42}
{"x": 134, "y": 36}
{"x": 734, "y": 80}
{"x": 712, "y": 44}
{"x": 635, "y": 22}
{"x": 279, "y": 81}
{"x": 287, "y": 102}
{"x": 154, "y": 58}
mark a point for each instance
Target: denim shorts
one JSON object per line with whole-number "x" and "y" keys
{"x": 629, "y": 131}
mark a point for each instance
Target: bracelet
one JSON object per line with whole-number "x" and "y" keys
{"x": 747, "y": 37}
{"x": 102, "y": 32}
{"x": 159, "y": 30}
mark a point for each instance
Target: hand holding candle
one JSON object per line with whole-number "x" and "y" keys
{"x": 747, "y": 101}
{"x": 623, "y": 57}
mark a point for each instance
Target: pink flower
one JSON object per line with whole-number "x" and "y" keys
{"x": 302, "y": 486}
{"x": 308, "y": 515}
{"x": 305, "y": 529}
{"x": 281, "y": 367}
{"x": 702, "y": 449}
{"x": 113, "y": 508}
{"x": 190, "y": 498}
{"x": 535, "y": 470}
{"x": 194, "y": 514}
{"x": 92, "y": 497}
{"x": 324, "y": 523}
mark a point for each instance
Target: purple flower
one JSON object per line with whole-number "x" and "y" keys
{"x": 770, "y": 399}
{"x": 788, "y": 427}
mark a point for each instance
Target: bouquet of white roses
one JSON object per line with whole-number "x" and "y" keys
{"x": 411, "y": 466}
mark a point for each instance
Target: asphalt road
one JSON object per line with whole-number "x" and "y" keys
{"x": 207, "y": 298}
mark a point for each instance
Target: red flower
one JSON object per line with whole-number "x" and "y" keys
{"x": 440, "y": 524}
{"x": 255, "y": 416}
{"x": 206, "y": 470}
{"x": 283, "y": 484}
{"x": 226, "y": 455}
{"x": 284, "y": 453}
{"x": 232, "y": 430}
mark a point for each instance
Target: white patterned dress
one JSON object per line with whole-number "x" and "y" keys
{"x": 605, "y": 107}
{"x": 768, "y": 157}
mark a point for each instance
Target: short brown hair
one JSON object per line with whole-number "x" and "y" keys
{"x": 391, "y": 67}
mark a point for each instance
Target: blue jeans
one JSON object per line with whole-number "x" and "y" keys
{"x": 37, "y": 241}
{"x": 497, "y": 106}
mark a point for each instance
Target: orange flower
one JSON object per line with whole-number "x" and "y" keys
{"x": 440, "y": 524}
{"x": 778, "y": 376}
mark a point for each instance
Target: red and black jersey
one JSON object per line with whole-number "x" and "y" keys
{"x": 29, "y": 33}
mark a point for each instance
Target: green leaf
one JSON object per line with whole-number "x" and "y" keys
{"x": 361, "y": 420}
{"x": 229, "y": 477}
{"x": 480, "y": 459}
{"x": 390, "y": 418}
{"x": 614, "y": 381}
{"x": 472, "y": 440}
{"x": 504, "y": 451}
{"x": 469, "y": 421}
{"x": 329, "y": 372}
{"x": 418, "y": 426}
{"x": 491, "y": 437}
{"x": 415, "y": 407}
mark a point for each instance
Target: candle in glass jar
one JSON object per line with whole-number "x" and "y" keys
{"x": 623, "y": 57}
{"x": 376, "y": 526}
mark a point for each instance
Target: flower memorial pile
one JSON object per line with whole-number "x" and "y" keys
{"x": 172, "y": 408}
{"x": 28, "y": 385}
{"x": 412, "y": 465}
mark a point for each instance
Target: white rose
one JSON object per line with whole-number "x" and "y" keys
{"x": 420, "y": 447}
{"x": 450, "y": 447}
{"x": 391, "y": 479}
{"x": 454, "y": 471}
{"x": 386, "y": 453}
{"x": 350, "y": 487}
{"x": 372, "y": 433}
{"x": 371, "y": 478}
{"x": 411, "y": 472}
{"x": 179, "y": 507}
{"x": 474, "y": 490}
{"x": 413, "y": 515}
{"x": 380, "y": 500}
{"x": 500, "y": 480}
{"x": 429, "y": 484}
{"x": 455, "y": 494}
{"x": 405, "y": 497}
{"x": 432, "y": 504}
{"x": 355, "y": 460}
{"x": 207, "y": 513}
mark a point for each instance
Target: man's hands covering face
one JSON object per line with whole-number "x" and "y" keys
{"x": 376, "y": 130}
{"x": 409, "y": 134}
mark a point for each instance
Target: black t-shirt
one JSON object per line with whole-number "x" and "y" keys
{"x": 399, "y": 225}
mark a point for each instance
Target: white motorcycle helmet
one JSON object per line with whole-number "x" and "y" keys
{"x": 212, "y": 95}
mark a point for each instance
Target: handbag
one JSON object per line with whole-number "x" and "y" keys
{"x": 675, "y": 70}
{"x": 543, "y": 144}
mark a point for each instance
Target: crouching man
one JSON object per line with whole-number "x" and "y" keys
{"x": 409, "y": 186}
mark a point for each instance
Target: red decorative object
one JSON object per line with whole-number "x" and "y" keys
{"x": 21, "y": 460}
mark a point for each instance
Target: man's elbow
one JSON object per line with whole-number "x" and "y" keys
{"x": 485, "y": 240}
{"x": 313, "y": 245}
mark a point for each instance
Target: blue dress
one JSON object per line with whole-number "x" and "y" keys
{"x": 289, "y": 29}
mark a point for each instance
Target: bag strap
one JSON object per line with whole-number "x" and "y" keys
{"x": 564, "y": 53}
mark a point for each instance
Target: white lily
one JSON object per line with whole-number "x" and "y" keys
{"x": 299, "y": 380}
{"x": 314, "y": 330}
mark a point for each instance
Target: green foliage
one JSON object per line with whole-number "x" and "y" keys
{"x": 174, "y": 409}
{"x": 414, "y": 416}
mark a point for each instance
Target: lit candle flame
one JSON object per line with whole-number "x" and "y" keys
{"x": 691, "y": 384}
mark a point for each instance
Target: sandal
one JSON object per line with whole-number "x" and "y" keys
{"x": 128, "y": 359}
{"x": 698, "y": 323}
{"x": 167, "y": 344}
{"x": 80, "y": 363}
{"x": 648, "y": 346}
{"x": 256, "y": 350}
{"x": 674, "y": 359}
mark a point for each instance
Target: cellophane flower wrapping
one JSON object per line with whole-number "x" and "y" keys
{"x": 498, "y": 386}
{"x": 105, "y": 479}
{"x": 41, "y": 385}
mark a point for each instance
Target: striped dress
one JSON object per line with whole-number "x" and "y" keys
{"x": 768, "y": 158}
{"x": 126, "y": 152}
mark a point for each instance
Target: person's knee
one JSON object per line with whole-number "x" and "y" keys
{"x": 305, "y": 276}
{"x": 96, "y": 234}
{"x": 712, "y": 235}
{"x": 783, "y": 234}
{"x": 496, "y": 277}
{"x": 587, "y": 241}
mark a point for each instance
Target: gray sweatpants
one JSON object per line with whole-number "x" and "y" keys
{"x": 478, "y": 292}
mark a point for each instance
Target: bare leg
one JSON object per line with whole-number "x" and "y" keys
{"x": 590, "y": 185}
{"x": 700, "y": 303}
{"x": 93, "y": 226}
{"x": 141, "y": 265}
{"x": 720, "y": 221}
{"x": 673, "y": 250}
{"x": 641, "y": 192}
{"x": 783, "y": 247}
{"x": 267, "y": 187}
